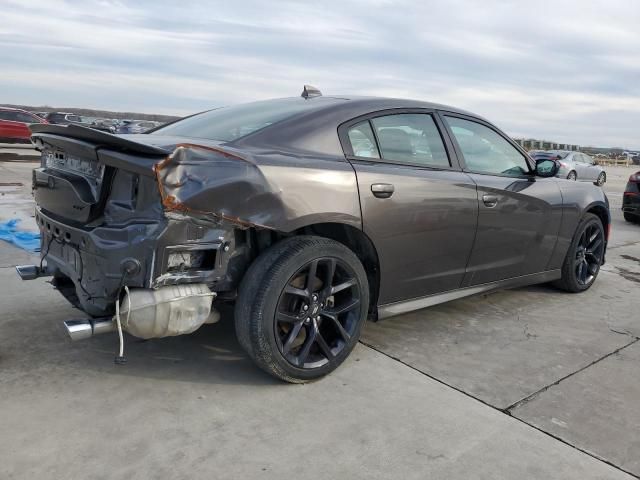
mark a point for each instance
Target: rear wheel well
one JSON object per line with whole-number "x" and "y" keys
{"x": 358, "y": 242}
{"x": 352, "y": 238}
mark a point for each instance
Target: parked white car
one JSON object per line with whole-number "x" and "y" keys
{"x": 579, "y": 166}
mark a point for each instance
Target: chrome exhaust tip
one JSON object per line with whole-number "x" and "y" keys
{"x": 82, "y": 329}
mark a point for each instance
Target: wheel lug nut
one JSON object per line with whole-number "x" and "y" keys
{"x": 305, "y": 307}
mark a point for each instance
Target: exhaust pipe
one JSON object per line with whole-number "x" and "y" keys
{"x": 82, "y": 329}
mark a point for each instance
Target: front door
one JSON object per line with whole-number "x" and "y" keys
{"x": 519, "y": 214}
{"x": 418, "y": 208}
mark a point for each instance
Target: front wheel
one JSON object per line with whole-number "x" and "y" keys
{"x": 602, "y": 178}
{"x": 301, "y": 306}
{"x": 584, "y": 257}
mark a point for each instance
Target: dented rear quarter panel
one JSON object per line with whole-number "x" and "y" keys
{"x": 275, "y": 190}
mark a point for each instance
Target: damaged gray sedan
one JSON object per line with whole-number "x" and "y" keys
{"x": 310, "y": 214}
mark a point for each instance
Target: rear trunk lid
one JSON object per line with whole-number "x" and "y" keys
{"x": 79, "y": 164}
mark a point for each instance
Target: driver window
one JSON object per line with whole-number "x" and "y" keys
{"x": 485, "y": 151}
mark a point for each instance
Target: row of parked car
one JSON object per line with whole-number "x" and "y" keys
{"x": 573, "y": 165}
{"x": 581, "y": 167}
{"x": 14, "y": 123}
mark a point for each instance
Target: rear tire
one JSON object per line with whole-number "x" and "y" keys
{"x": 584, "y": 257}
{"x": 301, "y": 306}
{"x": 572, "y": 176}
{"x": 630, "y": 217}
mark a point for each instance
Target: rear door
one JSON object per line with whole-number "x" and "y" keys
{"x": 419, "y": 209}
{"x": 519, "y": 214}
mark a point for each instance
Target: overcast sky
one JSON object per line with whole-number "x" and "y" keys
{"x": 567, "y": 71}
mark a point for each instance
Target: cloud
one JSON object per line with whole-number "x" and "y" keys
{"x": 562, "y": 70}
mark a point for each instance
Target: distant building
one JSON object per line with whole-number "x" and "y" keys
{"x": 533, "y": 144}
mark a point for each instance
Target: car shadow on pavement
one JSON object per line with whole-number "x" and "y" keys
{"x": 209, "y": 355}
{"x": 34, "y": 343}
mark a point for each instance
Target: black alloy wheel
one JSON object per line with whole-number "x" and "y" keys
{"x": 585, "y": 255}
{"x": 317, "y": 313}
{"x": 588, "y": 255}
{"x": 301, "y": 306}
{"x": 602, "y": 178}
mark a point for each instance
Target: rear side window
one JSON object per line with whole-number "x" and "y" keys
{"x": 410, "y": 138}
{"x": 485, "y": 151}
{"x": 363, "y": 142}
{"x": 231, "y": 123}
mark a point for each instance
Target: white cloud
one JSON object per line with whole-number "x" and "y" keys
{"x": 566, "y": 70}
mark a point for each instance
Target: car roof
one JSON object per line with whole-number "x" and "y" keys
{"x": 372, "y": 103}
{"x": 314, "y": 128}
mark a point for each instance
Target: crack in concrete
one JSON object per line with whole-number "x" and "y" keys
{"x": 624, "y": 332}
{"x": 507, "y": 411}
{"x": 628, "y": 274}
{"x": 535, "y": 394}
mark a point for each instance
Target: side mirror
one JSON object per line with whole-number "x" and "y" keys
{"x": 547, "y": 168}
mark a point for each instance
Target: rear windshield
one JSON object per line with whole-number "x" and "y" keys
{"x": 231, "y": 123}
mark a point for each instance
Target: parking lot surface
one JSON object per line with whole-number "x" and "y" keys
{"x": 527, "y": 383}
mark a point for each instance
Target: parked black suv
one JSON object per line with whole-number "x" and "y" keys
{"x": 631, "y": 199}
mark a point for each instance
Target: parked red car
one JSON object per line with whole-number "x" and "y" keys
{"x": 14, "y": 125}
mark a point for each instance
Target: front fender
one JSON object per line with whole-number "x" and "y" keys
{"x": 578, "y": 198}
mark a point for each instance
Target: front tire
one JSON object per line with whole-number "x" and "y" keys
{"x": 602, "y": 178}
{"x": 584, "y": 257}
{"x": 301, "y": 306}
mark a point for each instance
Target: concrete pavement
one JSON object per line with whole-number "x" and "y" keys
{"x": 530, "y": 383}
{"x": 195, "y": 407}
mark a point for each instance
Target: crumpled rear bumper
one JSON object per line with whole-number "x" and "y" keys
{"x": 89, "y": 265}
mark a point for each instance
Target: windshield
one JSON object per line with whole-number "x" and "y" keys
{"x": 231, "y": 123}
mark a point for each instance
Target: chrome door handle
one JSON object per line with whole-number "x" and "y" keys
{"x": 382, "y": 190}
{"x": 490, "y": 200}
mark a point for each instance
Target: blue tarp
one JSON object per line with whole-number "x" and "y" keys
{"x": 29, "y": 241}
